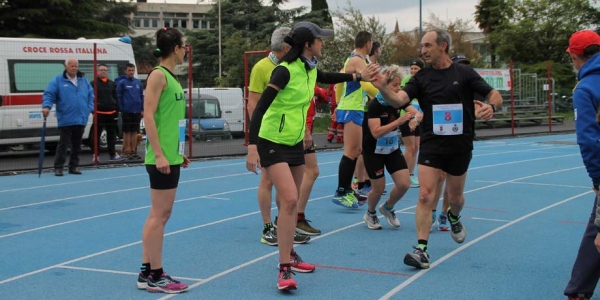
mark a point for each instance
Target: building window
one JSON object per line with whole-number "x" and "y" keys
{"x": 184, "y": 24}
{"x": 146, "y": 23}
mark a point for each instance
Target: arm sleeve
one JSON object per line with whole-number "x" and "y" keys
{"x": 266, "y": 99}
{"x": 50, "y": 94}
{"x": 279, "y": 78}
{"x": 588, "y": 131}
{"x": 333, "y": 77}
{"x": 369, "y": 89}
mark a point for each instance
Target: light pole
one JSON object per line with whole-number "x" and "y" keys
{"x": 420, "y": 23}
{"x": 220, "y": 70}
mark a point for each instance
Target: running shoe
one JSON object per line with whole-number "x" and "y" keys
{"x": 418, "y": 258}
{"x": 347, "y": 200}
{"x": 285, "y": 280}
{"x": 458, "y": 231}
{"x": 390, "y": 216}
{"x": 303, "y": 227}
{"x": 165, "y": 284}
{"x": 443, "y": 222}
{"x": 299, "y": 265}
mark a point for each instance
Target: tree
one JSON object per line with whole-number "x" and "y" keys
{"x": 489, "y": 14}
{"x": 143, "y": 47}
{"x": 405, "y": 47}
{"x": 349, "y": 23}
{"x": 248, "y": 26}
{"x": 457, "y": 29}
{"x": 67, "y": 19}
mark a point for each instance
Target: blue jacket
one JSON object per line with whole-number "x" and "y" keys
{"x": 131, "y": 95}
{"x": 586, "y": 100}
{"x": 74, "y": 104}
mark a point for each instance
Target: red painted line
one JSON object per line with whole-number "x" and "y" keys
{"x": 572, "y": 222}
{"x": 363, "y": 271}
{"x": 486, "y": 209}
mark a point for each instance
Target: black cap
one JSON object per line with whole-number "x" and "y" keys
{"x": 461, "y": 59}
{"x": 304, "y": 32}
{"x": 417, "y": 62}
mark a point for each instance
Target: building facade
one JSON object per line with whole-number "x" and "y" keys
{"x": 152, "y": 16}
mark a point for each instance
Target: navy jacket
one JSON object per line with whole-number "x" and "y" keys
{"x": 131, "y": 95}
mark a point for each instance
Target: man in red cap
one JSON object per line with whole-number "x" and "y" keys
{"x": 583, "y": 48}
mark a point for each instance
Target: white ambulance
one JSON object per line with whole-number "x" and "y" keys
{"x": 26, "y": 68}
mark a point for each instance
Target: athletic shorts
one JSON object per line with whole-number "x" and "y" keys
{"x": 454, "y": 164}
{"x": 160, "y": 181}
{"x": 405, "y": 130}
{"x": 272, "y": 153}
{"x": 131, "y": 122}
{"x": 374, "y": 163}
{"x": 345, "y": 116}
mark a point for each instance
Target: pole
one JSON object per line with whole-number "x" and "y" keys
{"x": 190, "y": 111}
{"x": 512, "y": 99}
{"x": 420, "y": 23}
{"x": 220, "y": 69}
{"x": 549, "y": 97}
{"x": 95, "y": 105}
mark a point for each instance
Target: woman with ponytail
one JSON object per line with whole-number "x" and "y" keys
{"x": 164, "y": 108}
{"x": 278, "y": 135}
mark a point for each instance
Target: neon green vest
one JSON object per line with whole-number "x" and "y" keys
{"x": 285, "y": 120}
{"x": 353, "y": 96}
{"x": 170, "y": 110}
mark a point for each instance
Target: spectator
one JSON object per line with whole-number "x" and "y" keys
{"x": 131, "y": 104}
{"x": 108, "y": 110}
{"x": 73, "y": 96}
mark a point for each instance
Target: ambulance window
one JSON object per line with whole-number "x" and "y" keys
{"x": 35, "y": 75}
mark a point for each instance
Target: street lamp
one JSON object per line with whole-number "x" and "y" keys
{"x": 420, "y": 23}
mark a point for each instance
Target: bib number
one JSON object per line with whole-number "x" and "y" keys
{"x": 182, "y": 124}
{"x": 448, "y": 119}
{"x": 387, "y": 143}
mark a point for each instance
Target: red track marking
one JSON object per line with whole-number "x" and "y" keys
{"x": 486, "y": 209}
{"x": 363, "y": 271}
{"x": 572, "y": 222}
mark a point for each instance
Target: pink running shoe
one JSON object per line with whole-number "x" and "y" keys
{"x": 285, "y": 281}
{"x": 298, "y": 265}
{"x": 165, "y": 284}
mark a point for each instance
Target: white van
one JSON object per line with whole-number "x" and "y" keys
{"x": 232, "y": 106}
{"x": 26, "y": 68}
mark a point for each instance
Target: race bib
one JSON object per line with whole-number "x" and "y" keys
{"x": 448, "y": 119}
{"x": 387, "y": 143}
{"x": 182, "y": 137}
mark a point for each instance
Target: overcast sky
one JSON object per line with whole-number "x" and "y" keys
{"x": 388, "y": 11}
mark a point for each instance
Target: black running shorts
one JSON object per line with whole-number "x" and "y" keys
{"x": 272, "y": 153}
{"x": 374, "y": 163}
{"x": 160, "y": 181}
{"x": 454, "y": 164}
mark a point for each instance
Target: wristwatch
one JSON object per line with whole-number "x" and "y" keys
{"x": 358, "y": 76}
{"x": 493, "y": 107}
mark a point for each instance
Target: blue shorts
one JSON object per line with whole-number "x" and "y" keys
{"x": 345, "y": 116}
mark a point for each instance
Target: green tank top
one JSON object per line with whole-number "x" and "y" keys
{"x": 353, "y": 97}
{"x": 285, "y": 120}
{"x": 170, "y": 122}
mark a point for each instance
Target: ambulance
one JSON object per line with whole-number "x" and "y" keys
{"x": 26, "y": 68}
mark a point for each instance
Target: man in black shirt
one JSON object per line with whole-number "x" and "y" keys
{"x": 445, "y": 92}
{"x": 108, "y": 110}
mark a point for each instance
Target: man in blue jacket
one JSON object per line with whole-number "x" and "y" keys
{"x": 583, "y": 48}
{"x": 73, "y": 96}
{"x": 131, "y": 104}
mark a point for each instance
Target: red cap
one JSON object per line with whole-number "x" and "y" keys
{"x": 581, "y": 40}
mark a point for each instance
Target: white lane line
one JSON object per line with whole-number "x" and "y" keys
{"x": 120, "y": 272}
{"x": 540, "y": 184}
{"x": 202, "y": 226}
{"x": 420, "y": 274}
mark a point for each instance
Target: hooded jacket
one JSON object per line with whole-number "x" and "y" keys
{"x": 74, "y": 104}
